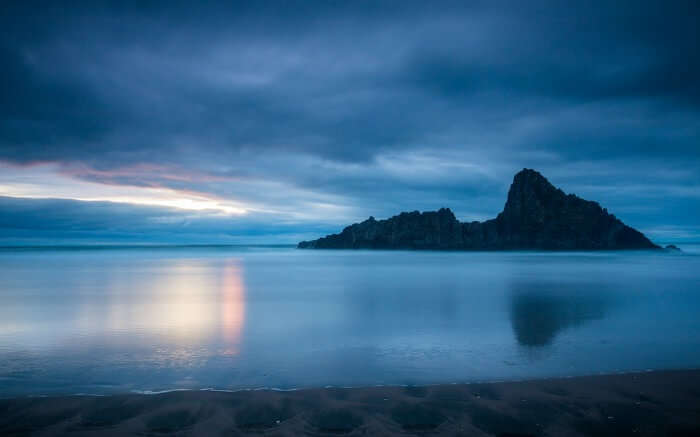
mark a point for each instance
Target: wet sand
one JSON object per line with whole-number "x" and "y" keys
{"x": 641, "y": 404}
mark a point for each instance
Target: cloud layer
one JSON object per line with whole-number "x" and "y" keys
{"x": 309, "y": 115}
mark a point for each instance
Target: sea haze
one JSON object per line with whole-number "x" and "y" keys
{"x": 98, "y": 321}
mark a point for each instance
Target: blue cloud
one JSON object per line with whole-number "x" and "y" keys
{"x": 301, "y": 106}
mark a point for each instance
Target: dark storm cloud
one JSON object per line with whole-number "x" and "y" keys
{"x": 340, "y": 80}
{"x": 378, "y": 106}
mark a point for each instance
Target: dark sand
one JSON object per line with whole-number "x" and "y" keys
{"x": 654, "y": 403}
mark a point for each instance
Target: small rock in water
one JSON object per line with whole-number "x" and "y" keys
{"x": 673, "y": 247}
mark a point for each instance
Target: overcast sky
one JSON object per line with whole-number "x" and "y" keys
{"x": 271, "y": 122}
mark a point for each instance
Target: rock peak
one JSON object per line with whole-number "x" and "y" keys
{"x": 529, "y": 192}
{"x": 528, "y": 174}
{"x": 530, "y": 180}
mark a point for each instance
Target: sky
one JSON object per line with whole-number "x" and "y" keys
{"x": 277, "y": 121}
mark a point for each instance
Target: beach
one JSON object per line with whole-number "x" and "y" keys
{"x": 639, "y": 404}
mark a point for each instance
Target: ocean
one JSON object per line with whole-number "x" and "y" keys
{"x": 101, "y": 320}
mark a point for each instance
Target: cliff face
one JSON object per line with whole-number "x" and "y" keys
{"x": 537, "y": 215}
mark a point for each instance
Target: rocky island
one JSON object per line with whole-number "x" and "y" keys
{"x": 536, "y": 216}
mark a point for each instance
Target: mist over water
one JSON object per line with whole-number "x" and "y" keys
{"x": 149, "y": 319}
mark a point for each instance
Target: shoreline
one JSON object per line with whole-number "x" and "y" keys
{"x": 346, "y": 387}
{"x": 631, "y": 403}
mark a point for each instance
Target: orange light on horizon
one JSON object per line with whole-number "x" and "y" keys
{"x": 47, "y": 181}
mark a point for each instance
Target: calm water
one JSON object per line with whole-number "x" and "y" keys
{"x": 115, "y": 320}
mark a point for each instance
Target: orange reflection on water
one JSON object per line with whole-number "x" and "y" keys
{"x": 184, "y": 302}
{"x": 191, "y": 305}
{"x": 232, "y": 308}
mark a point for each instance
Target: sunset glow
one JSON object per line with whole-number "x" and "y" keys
{"x": 48, "y": 182}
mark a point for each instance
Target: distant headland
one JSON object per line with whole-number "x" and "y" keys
{"x": 536, "y": 216}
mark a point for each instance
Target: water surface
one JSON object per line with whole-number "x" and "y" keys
{"x": 148, "y": 319}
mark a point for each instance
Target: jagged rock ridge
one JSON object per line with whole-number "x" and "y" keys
{"x": 536, "y": 215}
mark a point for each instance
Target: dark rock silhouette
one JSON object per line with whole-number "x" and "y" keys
{"x": 672, "y": 247}
{"x": 537, "y": 215}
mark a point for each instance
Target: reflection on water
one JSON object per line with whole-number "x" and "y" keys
{"x": 152, "y": 313}
{"x": 136, "y": 319}
{"x": 232, "y": 308}
{"x": 182, "y": 302}
{"x": 538, "y": 313}
{"x": 178, "y": 306}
